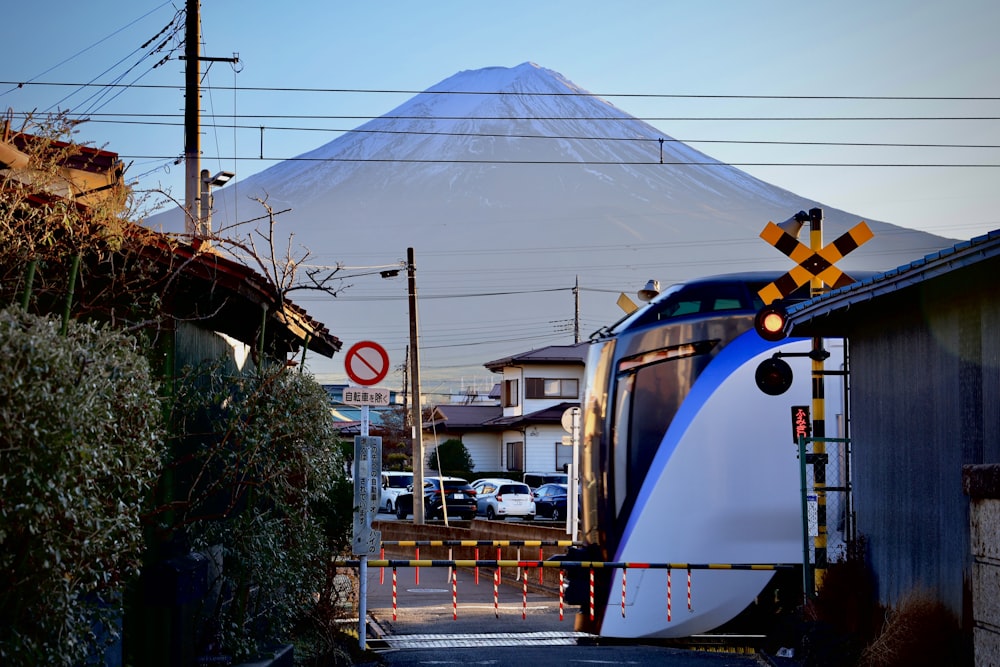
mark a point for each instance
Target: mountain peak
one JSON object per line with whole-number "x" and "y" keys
{"x": 524, "y": 78}
{"x": 513, "y": 198}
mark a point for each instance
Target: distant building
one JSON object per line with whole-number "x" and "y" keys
{"x": 523, "y": 431}
{"x": 348, "y": 417}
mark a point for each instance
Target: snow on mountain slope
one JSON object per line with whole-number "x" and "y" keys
{"x": 511, "y": 184}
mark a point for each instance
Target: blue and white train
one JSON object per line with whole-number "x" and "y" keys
{"x": 684, "y": 460}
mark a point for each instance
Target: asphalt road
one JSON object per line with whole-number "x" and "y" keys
{"x": 440, "y": 622}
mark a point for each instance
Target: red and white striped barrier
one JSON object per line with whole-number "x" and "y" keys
{"x": 591, "y": 593}
{"x": 394, "y": 594}
{"x": 669, "y": 602}
{"x": 689, "y": 589}
{"x": 522, "y": 570}
{"x": 524, "y": 597}
{"x": 624, "y": 570}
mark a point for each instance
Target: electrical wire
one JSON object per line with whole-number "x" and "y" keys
{"x": 507, "y": 93}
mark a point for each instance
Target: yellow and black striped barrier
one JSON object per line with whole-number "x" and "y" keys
{"x": 479, "y": 543}
{"x": 566, "y": 564}
{"x": 561, "y": 565}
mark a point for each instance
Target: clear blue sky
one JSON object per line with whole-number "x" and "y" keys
{"x": 890, "y": 48}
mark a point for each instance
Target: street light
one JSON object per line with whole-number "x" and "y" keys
{"x": 203, "y": 228}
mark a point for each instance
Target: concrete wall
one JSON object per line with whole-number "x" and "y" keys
{"x": 982, "y": 484}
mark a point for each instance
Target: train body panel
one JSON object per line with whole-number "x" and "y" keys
{"x": 723, "y": 488}
{"x": 713, "y": 480}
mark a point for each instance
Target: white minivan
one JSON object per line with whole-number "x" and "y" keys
{"x": 498, "y": 499}
{"x": 394, "y": 482}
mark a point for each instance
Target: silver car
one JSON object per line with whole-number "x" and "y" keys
{"x": 498, "y": 499}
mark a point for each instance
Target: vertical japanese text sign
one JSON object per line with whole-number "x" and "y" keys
{"x": 367, "y": 480}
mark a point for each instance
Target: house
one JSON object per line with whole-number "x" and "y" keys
{"x": 924, "y": 402}
{"x": 192, "y": 302}
{"x": 524, "y": 431}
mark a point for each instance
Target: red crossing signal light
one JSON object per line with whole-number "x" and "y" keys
{"x": 771, "y": 322}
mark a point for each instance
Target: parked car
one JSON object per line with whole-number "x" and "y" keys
{"x": 502, "y": 498}
{"x": 550, "y": 501}
{"x": 536, "y": 479}
{"x": 393, "y": 483}
{"x": 441, "y": 494}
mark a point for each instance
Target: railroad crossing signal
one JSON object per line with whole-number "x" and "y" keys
{"x": 811, "y": 263}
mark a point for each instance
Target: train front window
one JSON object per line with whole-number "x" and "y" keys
{"x": 688, "y": 301}
{"x": 647, "y": 398}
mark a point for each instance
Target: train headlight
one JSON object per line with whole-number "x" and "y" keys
{"x": 771, "y": 322}
{"x": 773, "y": 376}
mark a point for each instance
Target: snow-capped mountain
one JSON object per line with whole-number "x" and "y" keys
{"x": 512, "y": 184}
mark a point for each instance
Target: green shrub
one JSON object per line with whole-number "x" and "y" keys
{"x": 259, "y": 466}
{"x": 452, "y": 458}
{"x": 80, "y": 438}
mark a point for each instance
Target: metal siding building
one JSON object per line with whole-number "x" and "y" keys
{"x": 925, "y": 399}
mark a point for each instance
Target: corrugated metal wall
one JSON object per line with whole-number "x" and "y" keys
{"x": 925, "y": 400}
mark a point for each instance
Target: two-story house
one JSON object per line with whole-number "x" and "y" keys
{"x": 524, "y": 432}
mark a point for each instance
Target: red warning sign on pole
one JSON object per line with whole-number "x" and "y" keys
{"x": 366, "y": 363}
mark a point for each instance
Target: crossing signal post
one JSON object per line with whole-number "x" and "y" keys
{"x": 815, "y": 264}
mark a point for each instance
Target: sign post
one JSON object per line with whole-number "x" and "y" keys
{"x": 367, "y": 364}
{"x": 571, "y": 423}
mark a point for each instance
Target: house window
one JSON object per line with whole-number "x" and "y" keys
{"x": 551, "y": 388}
{"x": 564, "y": 456}
{"x": 510, "y": 394}
{"x": 515, "y": 456}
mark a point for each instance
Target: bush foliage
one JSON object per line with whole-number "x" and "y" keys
{"x": 259, "y": 469}
{"x": 452, "y": 458}
{"x": 80, "y": 438}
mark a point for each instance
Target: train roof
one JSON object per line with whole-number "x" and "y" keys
{"x": 753, "y": 279}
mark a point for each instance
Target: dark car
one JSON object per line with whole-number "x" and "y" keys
{"x": 459, "y": 499}
{"x": 550, "y": 501}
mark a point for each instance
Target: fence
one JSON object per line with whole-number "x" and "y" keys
{"x": 522, "y": 567}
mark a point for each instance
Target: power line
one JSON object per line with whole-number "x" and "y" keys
{"x": 493, "y": 135}
{"x": 606, "y": 118}
{"x": 592, "y": 163}
{"x": 507, "y": 93}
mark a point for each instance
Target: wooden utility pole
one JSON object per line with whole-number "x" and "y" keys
{"x": 197, "y": 205}
{"x": 192, "y": 119}
{"x": 417, "y": 422}
{"x": 576, "y": 311}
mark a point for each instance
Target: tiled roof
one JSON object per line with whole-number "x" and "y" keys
{"x": 567, "y": 354}
{"x": 803, "y": 317}
{"x": 202, "y": 286}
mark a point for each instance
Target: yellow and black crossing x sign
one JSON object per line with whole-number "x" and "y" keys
{"x": 811, "y": 263}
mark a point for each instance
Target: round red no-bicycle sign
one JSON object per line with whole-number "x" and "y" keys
{"x": 366, "y": 363}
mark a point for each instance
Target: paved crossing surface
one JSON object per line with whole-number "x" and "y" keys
{"x": 436, "y": 624}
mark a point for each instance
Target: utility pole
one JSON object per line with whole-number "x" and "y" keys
{"x": 576, "y": 311}
{"x": 192, "y": 119}
{"x": 197, "y": 184}
{"x": 416, "y": 420}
